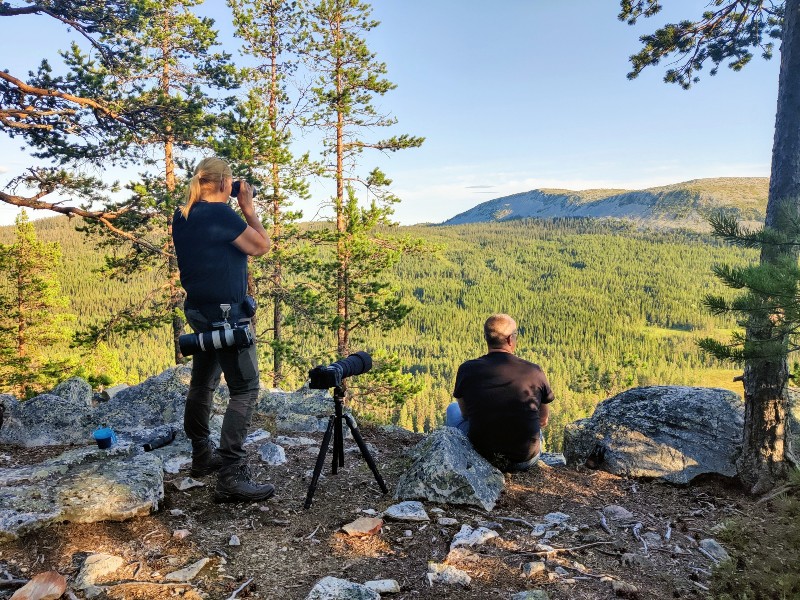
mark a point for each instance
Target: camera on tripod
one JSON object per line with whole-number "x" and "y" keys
{"x": 224, "y": 335}
{"x": 324, "y": 377}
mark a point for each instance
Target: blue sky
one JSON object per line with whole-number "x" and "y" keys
{"x": 522, "y": 94}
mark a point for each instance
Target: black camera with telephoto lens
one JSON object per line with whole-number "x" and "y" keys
{"x": 236, "y": 186}
{"x": 324, "y": 377}
{"x": 223, "y": 335}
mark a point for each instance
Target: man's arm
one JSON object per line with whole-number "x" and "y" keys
{"x": 544, "y": 414}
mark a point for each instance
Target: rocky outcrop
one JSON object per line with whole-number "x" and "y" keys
{"x": 82, "y": 486}
{"x": 46, "y": 420}
{"x": 75, "y": 388}
{"x": 446, "y": 468}
{"x": 671, "y": 432}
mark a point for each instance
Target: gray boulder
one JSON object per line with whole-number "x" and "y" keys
{"x": 332, "y": 588}
{"x": 46, "y": 420}
{"x": 84, "y": 485}
{"x": 75, "y": 388}
{"x": 671, "y": 432}
{"x": 446, "y": 468}
{"x": 158, "y": 400}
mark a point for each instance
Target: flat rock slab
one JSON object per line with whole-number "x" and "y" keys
{"x": 410, "y": 510}
{"x": 446, "y": 468}
{"x": 671, "y": 432}
{"x": 332, "y": 588}
{"x": 44, "y": 586}
{"x": 363, "y": 526}
{"x": 187, "y": 573}
{"x": 447, "y": 575}
{"x": 468, "y": 536}
{"x": 81, "y": 486}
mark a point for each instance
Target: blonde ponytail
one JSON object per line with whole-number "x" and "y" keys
{"x": 207, "y": 176}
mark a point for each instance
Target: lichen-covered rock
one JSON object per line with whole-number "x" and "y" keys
{"x": 672, "y": 432}
{"x": 304, "y": 401}
{"x": 46, "y": 420}
{"x": 272, "y": 454}
{"x": 446, "y": 468}
{"x": 75, "y": 388}
{"x": 82, "y": 486}
{"x": 154, "y": 402}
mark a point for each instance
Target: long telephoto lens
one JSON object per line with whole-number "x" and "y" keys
{"x": 239, "y": 337}
{"x": 323, "y": 377}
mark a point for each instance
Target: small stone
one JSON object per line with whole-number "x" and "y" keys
{"x": 462, "y": 555}
{"x": 256, "y": 437}
{"x": 187, "y": 573}
{"x": 177, "y": 512}
{"x": 630, "y": 559}
{"x": 447, "y": 575}
{"x": 44, "y": 586}
{"x": 408, "y": 533}
{"x": 180, "y": 534}
{"x": 383, "y": 586}
{"x": 363, "y": 526}
{"x": 437, "y": 510}
{"x": 410, "y": 510}
{"x": 472, "y": 537}
{"x": 624, "y": 590}
{"x": 446, "y": 521}
{"x": 174, "y": 465}
{"x": 556, "y": 518}
{"x": 553, "y": 459}
{"x": 293, "y": 442}
{"x": 714, "y": 549}
{"x": 549, "y": 535}
{"x": 188, "y": 483}
{"x": 330, "y": 588}
{"x": 539, "y": 530}
{"x": 544, "y": 548}
{"x": 561, "y": 571}
{"x": 652, "y": 538}
{"x": 533, "y": 569}
{"x": 234, "y": 541}
{"x": 95, "y": 568}
{"x": 370, "y": 512}
{"x": 617, "y": 513}
{"x": 272, "y": 454}
{"x": 531, "y": 595}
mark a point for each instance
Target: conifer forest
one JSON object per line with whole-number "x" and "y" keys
{"x": 601, "y": 305}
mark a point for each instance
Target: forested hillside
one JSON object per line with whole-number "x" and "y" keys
{"x": 600, "y": 306}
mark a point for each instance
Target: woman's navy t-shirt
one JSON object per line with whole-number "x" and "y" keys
{"x": 212, "y": 269}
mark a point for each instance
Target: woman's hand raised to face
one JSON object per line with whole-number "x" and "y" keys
{"x": 245, "y": 198}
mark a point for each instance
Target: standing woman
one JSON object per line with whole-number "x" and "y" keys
{"x": 212, "y": 244}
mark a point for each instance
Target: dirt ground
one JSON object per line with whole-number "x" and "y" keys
{"x": 286, "y": 549}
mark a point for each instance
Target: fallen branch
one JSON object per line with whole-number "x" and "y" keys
{"x": 313, "y": 533}
{"x": 563, "y": 550}
{"x": 708, "y": 554}
{"x": 775, "y": 493}
{"x": 240, "y": 588}
{"x": 12, "y": 583}
{"x": 515, "y": 520}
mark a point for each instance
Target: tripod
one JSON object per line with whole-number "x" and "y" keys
{"x": 335, "y": 423}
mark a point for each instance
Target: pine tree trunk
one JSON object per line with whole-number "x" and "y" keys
{"x": 766, "y": 443}
{"x": 341, "y": 290}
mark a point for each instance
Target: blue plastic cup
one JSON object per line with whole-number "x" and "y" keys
{"x": 105, "y": 437}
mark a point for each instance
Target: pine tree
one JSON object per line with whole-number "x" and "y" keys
{"x": 348, "y": 78}
{"x": 731, "y": 32}
{"x": 176, "y": 70}
{"x": 32, "y": 316}
{"x": 260, "y": 132}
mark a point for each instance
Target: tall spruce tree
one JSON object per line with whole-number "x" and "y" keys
{"x": 32, "y": 313}
{"x": 260, "y": 132}
{"x": 348, "y": 79}
{"x": 730, "y": 32}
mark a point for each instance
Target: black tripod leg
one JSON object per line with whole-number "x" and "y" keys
{"x": 365, "y": 453}
{"x": 323, "y": 449}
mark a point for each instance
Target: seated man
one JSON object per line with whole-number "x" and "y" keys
{"x": 502, "y": 400}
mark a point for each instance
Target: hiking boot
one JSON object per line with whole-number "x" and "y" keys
{"x": 234, "y": 485}
{"x": 205, "y": 459}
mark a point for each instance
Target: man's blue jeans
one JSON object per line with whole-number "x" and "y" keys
{"x": 454, "y": 418}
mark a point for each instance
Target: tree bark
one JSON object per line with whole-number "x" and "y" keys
{"x": 766, "y": 441}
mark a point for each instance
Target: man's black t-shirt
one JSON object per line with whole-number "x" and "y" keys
{"x": 500, "y": 395}
{"x": 213, "y": 270}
